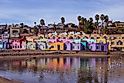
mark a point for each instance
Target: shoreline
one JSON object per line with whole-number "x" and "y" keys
{"x": 53, "y": 54}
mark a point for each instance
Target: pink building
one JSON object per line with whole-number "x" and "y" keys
{"x": 18, "y": 44}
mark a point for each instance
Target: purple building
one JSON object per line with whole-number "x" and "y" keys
{"x": 76, "y": 46}
{"x": 101, "y": 47}
{"x": 67, "y": 46}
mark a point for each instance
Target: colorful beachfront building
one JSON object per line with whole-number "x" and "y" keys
{"x": 31, "y": 44}
{"x": 4, "y": 43}
{"x": 1, "y": 44}
{"x": 68, "y": 46}
{"x": 101, "y": 47}
{"x": 18, "y": 44}
{"x": 55, "y": 44}
{"x": 41, "y": 43}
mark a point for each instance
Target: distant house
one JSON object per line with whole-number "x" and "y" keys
{"x": 14, "y": 32}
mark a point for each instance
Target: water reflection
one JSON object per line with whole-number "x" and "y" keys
{"x": 65, "y": 70}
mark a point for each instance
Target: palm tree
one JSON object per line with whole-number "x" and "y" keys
{"x": 79, "y": 19}
{"x": 90, "y": 26}
{"x": 102, "y": 19}
{"x": 35, "y": 23}
{"x": 62, "y": 20}
{"x": 97, "y": 19}
{"x": 42, "y": 22}
{"x": 106, "y": 19}
{"x": 81, "y": 23}
{"x": 91, "y": 20}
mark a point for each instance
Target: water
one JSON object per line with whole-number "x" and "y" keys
{"x": 65, "y": 70}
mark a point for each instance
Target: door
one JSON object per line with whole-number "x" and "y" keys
{"x": 102, "y": 48}
{"x": 58, "y": 47}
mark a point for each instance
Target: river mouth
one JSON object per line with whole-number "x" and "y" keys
{"x": 64, "y": 70}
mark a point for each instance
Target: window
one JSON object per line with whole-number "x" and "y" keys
{"x": 92, "y": 38}
{"x": 98, "y": 37}
{"x": 70, "y": 37}
{"x": 119, "y": 43}
{"x": 122, "y": 37}
{"x": 97, "y": 47}
{"x": 115, "y": 38}
{"x": 64, "y": 37}
{"x": 53, "y": 37}
{"x": 112, "y": 43}
{"x": 16, "y": 46}
{"x": 78, "y": 47}
{"x": 25, "y": 31}
{"x": 15, "y": 31}
{"x": 51, "y": 47}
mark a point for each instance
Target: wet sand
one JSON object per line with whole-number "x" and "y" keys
{"x": 5, "y": 80}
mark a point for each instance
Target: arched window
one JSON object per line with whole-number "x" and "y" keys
{"x": 85, "y": 37}
{"x": 92, "y": 38}
{"x": 53, "y": 37}
{"x": 119, "y": 42}
{"x": 105, "y": 37}
{"x": 78, "y": 37}
{"x": 70, "y": 37}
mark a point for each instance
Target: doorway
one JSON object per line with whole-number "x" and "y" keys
{"x": 102, "y": 48}
{"x": 58, "y": 46}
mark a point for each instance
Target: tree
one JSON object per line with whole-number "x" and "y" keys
{"x": 90, "y": 25}
{"x": 35, "y": 23}
{"x": 22, "y": 25}
{"x": 106, "y": 19}
{"x": 97, "y": 19}
{"x": 91, "y": 20}
{"x": 62, "y": 20}
{"x": 79, "y": 19}
{"x": 102, "y": 19}
{"x": 42, "y": 22}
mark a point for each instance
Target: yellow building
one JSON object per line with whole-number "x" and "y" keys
{"x": 117, "y": 42}
{"x": 56, "y": 46}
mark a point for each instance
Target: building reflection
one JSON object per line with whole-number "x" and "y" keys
{"x": 85, "y": 70}
{"x": 93, "y": 71}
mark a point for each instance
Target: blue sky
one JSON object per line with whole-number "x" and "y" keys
{"x": 29, "y": 11}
